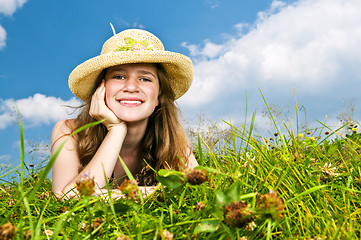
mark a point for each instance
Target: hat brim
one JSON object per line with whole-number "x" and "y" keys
{"x": 82, "y": 80}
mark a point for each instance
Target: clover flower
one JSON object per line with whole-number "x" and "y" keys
{"x": 129, "y": 188}
{"x": 96, "y": 223}
{"x": 7, "y": 231}
{"x": 166, "y": 235}
{"x": 44, "y": 195}
{"x": 197, "y": 177}
{"x": 251, "y": 226}
{"x": 85, "y": 185}
{"x": 123, "y": 237}
{"x": 199, "y": 206}
{"x": 238, "y": 214}
{"x": 271, "y": 205}
{"x": 328, "y": 170}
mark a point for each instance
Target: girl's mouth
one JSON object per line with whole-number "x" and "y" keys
{"x": 130, "y": 102}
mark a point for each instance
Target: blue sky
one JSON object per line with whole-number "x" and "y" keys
{"x": 312, "y": 47}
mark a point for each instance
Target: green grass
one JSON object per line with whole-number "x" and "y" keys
{"x": 314, "y": 179}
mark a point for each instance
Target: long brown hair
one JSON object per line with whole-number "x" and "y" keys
{"x": 164, "y": 144}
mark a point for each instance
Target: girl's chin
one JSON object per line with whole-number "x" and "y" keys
{"x": 133, "y": 119}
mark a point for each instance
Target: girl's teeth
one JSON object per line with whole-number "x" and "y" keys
{"x": 128, "y": 101}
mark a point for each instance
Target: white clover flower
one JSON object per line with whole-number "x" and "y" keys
{"x": 328, "y": 170}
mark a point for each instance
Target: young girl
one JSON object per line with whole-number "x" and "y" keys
{"x": 131, "y": 86}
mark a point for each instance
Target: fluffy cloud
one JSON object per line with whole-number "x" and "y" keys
{"x": 8, "y": 7}
{"x": 310, "y": 45}
{"x": 36, "y": 110}
{"x": 2, "y": 37}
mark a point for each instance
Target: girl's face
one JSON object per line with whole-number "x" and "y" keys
{"x": 132, "y": 91}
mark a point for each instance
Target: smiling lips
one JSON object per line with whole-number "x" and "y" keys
{"x": 130, "y": 102}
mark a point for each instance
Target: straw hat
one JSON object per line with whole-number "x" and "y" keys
{"x": 131, "y": 46}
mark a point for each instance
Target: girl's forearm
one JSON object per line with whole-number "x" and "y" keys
{"x": 103, "y": 161}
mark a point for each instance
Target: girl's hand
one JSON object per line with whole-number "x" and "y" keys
{"x": 100, "y": 111}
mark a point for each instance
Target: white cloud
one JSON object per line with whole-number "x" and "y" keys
{"x": 2, "y": 37}
{"x": 8, "y": 7}
{"x": 310, "y": 45}
{"x": 36, "y": 110}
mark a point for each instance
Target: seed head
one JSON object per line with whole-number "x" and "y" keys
{"x": 237, "y": 214}
{"x": 271, "y": 205}
{"x": 197, "y": 177}
{"x": 327, "y": 132}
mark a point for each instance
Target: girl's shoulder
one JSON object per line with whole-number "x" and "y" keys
{"x": 65, "y": 126}
{"x": 62, "y": 128}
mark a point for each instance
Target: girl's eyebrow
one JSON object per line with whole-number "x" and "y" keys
{"x": 147, "y": 72}
{"x": 141, "y": 71}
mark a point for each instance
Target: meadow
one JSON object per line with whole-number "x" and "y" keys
{"x": 293, "y": 184}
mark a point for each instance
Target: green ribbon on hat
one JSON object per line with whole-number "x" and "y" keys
{"x": 133, "y": 45}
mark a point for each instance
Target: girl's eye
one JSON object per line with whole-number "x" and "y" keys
{"x": 119, "y": 77}
{"x": 145, "y": 80}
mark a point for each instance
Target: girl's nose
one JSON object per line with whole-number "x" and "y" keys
{"x": 131, "y": 85}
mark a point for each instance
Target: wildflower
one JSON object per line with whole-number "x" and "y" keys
{"x": 313, "y": 138}
{"x": 27, "y": 234}
{"x": 354, "y": 130}
{"x": 271, "y": 139}
{"x": 129, "y": 188}
{"x": 199, "y": 206}
{"x": 275, "y": 134}
{"x": 96, "y": 223}
{"x": 7, "y": 231}
{"x": 44, "y": 195}
{"x": 166, "y": 235}
{"x": 328, "y": 171}
{"x": 251, "y": 226}
{"x": 123, "y": 237}
{"x": 85, "y": 186}
{"x": 327, "y": 132}
{"x": 11, "y": 202}
{"x": 308, "y": 132}
{"x": 271, "y": 204}
{"x": 48, "y": 232}
{"x": 237, "y": 214}
{"x": 300, "y": 135}
{"x": 197, "y": 177}
{"x": 31, "y": 165}
{"x": 64, "y": 209}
